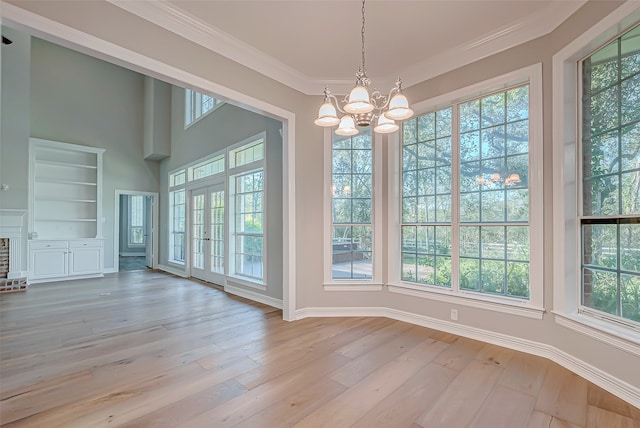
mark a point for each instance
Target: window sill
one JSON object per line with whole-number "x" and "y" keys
{"x": 608, "y": 332}
{"x": 177, "y": 263}
{"x": 472, "y": 300}
{"x": 341, "y": 286}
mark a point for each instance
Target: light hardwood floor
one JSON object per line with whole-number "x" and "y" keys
{"x": 145, "y": 349}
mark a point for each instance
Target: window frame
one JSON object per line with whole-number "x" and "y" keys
{"x": 172, "y": 232}
{"x": 534, "y": 306}
{"x": 232, "y": 173}
{"x": 130, "y": 242}
{"x": 599, "y": 219}
{"x": 566, "y": 219}
{"x": 193, "y": 106}
{"x": 375, "y": 283}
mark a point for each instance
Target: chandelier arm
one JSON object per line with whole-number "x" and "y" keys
{"x": 336, "y": 103}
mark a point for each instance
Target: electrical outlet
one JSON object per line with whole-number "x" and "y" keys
{"x": 454, "y": 314}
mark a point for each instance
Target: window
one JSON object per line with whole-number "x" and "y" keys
{"x": 177, "y": 214}
{"x": 249, "y": 232}
{"x": 352, "y": 208}
{"x": 469, "y": 212}
{"x": 198, "y": 105}
{"x": 136, "y": 220}
{"x": 246, "y": 154}
{"x": 610, "y": 177}
{"x": 207, "y": 168}
{"x": 247, "y": 210}
{"x": 426, "y": 199}
{"x": 218, "y": 234}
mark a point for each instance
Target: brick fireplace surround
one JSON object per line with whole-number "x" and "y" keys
{"x": 11, "y": 276}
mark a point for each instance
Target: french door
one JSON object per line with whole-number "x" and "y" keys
{"x": 207, "y": 234}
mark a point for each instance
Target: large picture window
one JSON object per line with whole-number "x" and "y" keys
{"x": 610, "y": 177}
{"x": 352, "y": 208}
{"x": 466, "y": 221}
{"x": 426, "y": 199}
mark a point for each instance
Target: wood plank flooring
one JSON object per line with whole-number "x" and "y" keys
{"x": 146, "y": 349}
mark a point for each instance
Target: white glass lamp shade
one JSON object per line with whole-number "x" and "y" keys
{"x": 359, "y": 101}
{"x": 327, "y": 115}
{"x": 385, "y": 125}
{"x": 399, "y": 108}
{"x": 347, "y": 127}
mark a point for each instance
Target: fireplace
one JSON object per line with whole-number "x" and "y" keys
{"x": 12, "y": 277}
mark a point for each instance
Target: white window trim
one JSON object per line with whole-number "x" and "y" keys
{"x": 566, "y": 224}
{"x": 534, "y": 307}
{"x": 171, "y": 189}
{"x": 375, "y": 283}
{"x": 231, "y": 174}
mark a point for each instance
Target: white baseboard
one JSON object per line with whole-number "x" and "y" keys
{"x": 252, "y": 295}
{"x": 111, "y": 270}
{"x": 172, "y": 270}
{"x": 65, "y": 278}
{"x": 132, "y": 254}
{"x": 614, "y": 385}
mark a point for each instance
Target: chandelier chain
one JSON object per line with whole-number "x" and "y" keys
{"x": 362, "y": 33}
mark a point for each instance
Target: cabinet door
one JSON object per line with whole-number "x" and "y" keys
{"x": 85, "y": 261}
{"x": 48, "y": 263}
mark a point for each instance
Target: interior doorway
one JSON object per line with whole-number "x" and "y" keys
{"x": 136, "y": 232}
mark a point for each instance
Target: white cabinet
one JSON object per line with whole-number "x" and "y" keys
{"x": 48, "y": 259}
{"x": 65, "y": 259}
{"x": 85, "y": 257}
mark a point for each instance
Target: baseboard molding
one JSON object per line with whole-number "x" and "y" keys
{"x": 111, "y": 270}
{"x": 65, "y": 278}
{"x": 172, "y": 270}
{"x": 614, "y": 385}
{"x": 131, "y": 254}
{"x": 252, "y": 295}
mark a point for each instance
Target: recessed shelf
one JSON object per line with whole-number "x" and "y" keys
{"x": 64, "y": 164}
{"x": 88, "y": 201}
{"x": 57, "y": 181}
{"x": 65, "y": 219}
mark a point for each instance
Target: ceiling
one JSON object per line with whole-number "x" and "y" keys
{"x": 309, "y": 43}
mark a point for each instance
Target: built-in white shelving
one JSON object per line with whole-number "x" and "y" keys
{"x": 65, "y": 211}
{"x": 65, "y": 190}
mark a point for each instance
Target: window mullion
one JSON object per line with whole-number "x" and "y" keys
{"x": 455, "y": 198}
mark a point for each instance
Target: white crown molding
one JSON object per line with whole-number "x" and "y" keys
{"x": 614, "y": 385}
{"x": 176, "y": 20}
{"x": 525, "y": 30}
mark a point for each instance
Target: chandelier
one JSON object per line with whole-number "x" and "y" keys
{"x": 361, "y": 108}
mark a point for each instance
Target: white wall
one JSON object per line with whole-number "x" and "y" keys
{"x": 79, "y": 99}
{"x": 14, "y": 125}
